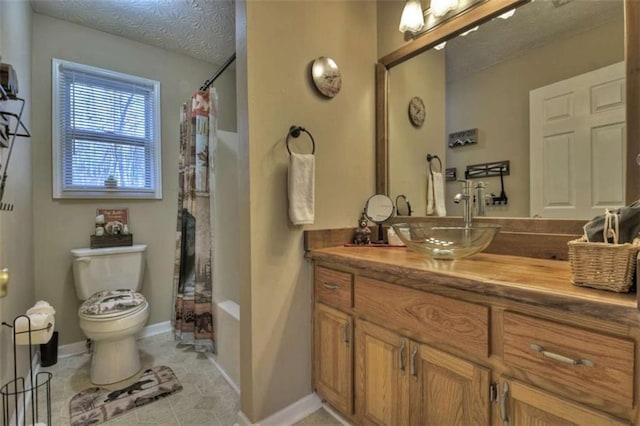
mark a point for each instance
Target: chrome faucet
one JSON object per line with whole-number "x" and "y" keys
{"x": 465, "y": 198}
{"x": 481, "y": 199}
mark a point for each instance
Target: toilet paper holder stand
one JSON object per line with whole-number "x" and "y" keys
{"x": 36, "y": 389}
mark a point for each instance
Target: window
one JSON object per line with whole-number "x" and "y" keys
{"x": 106, "y": 134}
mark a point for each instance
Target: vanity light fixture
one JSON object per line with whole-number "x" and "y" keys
{"x": 412, "y": 17}
{"x": 440, "y": 8}
{"x": 469, "y": 31}
{"x": 507, "y": 14}
{"x": 440, "y": 46}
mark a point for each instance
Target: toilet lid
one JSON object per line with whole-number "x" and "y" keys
{"x": 111, "y": 303}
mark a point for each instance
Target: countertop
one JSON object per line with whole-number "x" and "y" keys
{"x": 538, "y": 282}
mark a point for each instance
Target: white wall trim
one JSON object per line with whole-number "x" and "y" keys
{"x": 224, "y": 374}
{"x": 81, "y": 347}
{"x": 230, "y": 307}
{"x": 157, "y": 328}
{"x": 18, "y": 417}
{"x": 288, "y": 415}
{"x": 335, "y": 414}
{"x": 243, "y": 420}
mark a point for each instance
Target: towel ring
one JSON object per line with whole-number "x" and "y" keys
{"x": 295, "y": 132}
{"x": 434, "y": 157}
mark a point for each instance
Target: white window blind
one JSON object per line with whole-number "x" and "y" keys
{"x": 106, "y": 133}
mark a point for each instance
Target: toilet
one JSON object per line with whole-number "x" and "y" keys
{"x": 113, "y": 312}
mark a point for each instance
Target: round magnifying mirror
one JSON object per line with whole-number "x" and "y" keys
{"x": 326, "y": 76}
{"x": 379, "y": 209}
{"x": 403, "y": 207}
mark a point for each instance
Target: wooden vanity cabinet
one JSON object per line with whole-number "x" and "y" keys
{"x": 401, "y": 382}
{"x": 448, "y": 390}
{"x": 524, "y": 405}
{"x": 333, "y": 357}
{"x": 382, "y": 376}
{"x": 393, "y": 351}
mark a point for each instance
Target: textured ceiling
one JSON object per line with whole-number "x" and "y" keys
{"x": 204, "y": 29}
{"x": 533, "y": 24}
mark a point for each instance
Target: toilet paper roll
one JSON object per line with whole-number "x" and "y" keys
{"x": 41, "y": 307}
{"x": 41, "y": 329}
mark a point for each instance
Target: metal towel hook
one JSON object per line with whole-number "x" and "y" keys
{"x": 295, "y": 132}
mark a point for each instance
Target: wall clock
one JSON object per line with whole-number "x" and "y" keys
{"x": 326, "y": 76}
{"x": 416, "y": 111}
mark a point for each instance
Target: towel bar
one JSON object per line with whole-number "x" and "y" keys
{"x": 430, "y": 158}
{"x": 295, "y": 132}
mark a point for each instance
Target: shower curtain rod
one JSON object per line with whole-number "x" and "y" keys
{"x": 224, "y": 66}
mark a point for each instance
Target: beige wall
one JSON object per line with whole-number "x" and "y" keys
{"x": 388, "y": 16}
{"x": 496, "y": 100}
{"x": 276, "y": 42}
{"x": 16, "y": 227}
{"x": 409, "y": 145}
{"x": 63, "y": 225}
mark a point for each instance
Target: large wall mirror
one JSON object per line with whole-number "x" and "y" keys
{"x": 547, "y": 89}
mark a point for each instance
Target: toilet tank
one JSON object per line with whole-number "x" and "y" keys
{"x": 110, "y": 268}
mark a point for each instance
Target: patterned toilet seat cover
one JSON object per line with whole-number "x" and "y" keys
{"x": 111, "y": 303}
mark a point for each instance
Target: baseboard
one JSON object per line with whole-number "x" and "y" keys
{"x": 288, "y": 415}
{"x": 233, "y": 384}
{"x": 154, "y": 329}
{"x": 336, "y": 415}
{"x": 81, "y": 347}
{"x": 243, "y": 420}
{"x": 18, "y": 418}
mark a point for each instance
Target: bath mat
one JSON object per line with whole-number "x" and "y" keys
{"x": 96, "y": 405}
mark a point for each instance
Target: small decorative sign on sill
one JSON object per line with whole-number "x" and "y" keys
{"x": 465, "y": 137}
{"x": 112, "y": 229}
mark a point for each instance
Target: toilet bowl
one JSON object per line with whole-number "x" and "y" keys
{"x": 113, "y": 312}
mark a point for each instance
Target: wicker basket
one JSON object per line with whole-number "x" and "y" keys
{"x": 602, "y": 265}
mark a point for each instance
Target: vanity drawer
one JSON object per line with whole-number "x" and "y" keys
{"x": 333, "y": 287}
{"x": 584, "y": 361}
{"x": 436, "y": 319}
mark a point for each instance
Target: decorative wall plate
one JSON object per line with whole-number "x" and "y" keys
{"x": 417, "y": 111}
{"x": 326, "y": 76}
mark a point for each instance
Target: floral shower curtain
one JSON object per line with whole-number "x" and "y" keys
{"x": 193, "y": 270}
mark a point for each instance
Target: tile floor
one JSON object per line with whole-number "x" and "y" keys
{"x": 206, "y": 397}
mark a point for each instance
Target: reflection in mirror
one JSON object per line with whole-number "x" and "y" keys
{"x": 527, "y": 84}
{"x": 379, "y": 209}
{"x": 403, "y": 207}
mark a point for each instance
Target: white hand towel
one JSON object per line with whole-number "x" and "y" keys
{"x": 430, "y": 200}
{"x": 301, "y": 188}
{"x": 435, "y": 194}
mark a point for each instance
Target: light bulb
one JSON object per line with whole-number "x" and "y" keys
{"x": 442, "y": 7}
{"x": 412, "y": 17}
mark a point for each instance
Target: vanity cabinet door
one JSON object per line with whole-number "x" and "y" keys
{"x": 382, "y": 376}
{"x": 447, "y": 390}
{"x": 524, "y": 405}
{"x": 333, "y": 357}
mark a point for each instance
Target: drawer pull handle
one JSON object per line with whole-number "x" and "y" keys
{"x": 330, "y": 286}
{"x": 401, "y": 355}
{"x": 345, "y": 331}
{"x": 414, "y": 352}
{"x": 562, "y": 358}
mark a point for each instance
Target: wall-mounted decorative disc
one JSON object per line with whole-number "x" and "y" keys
{"x": 417, "y": 111}
{"x": 326, "y": 76}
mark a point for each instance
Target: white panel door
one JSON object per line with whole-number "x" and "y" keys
{"x": 577, "y": 145}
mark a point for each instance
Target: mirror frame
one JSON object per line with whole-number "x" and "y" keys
{"x": 477, "y": 15}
